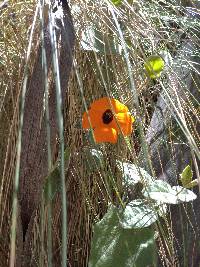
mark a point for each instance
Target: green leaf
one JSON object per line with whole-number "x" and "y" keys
{"x": 192, "y": 184}
{"x": 154, "y": 66}
{"x": 162, "y": 192}
{"x": 116, "y": 2}
{"x": 94, "y": 159}
{"x": 139, "y": 213}
{"x": 183, "y": 194}
{"x": 95, "y": 40}
{"x": 186, "y": 176}
{"x": 114, "y": 246}
{"x": 128, "y": 42}
{"x": 53, "y": 179}
{"x": 133, "y": 174}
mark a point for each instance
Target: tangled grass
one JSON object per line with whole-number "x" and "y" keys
{"x": 112, "y": 44}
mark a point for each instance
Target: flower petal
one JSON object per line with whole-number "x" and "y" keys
{"x": 124, "y": 122}
{"x": 105, "y": 135}
{"x": 127, "y": 129}
{"x": 95, "y": 119}
{"x": 105, "y": 103}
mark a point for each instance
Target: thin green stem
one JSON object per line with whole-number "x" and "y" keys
{"x": 61, "y": 136}
{"x": 44, "y": 67}
{"x": 135, "y": 94}
{"x": 19, "y": 147}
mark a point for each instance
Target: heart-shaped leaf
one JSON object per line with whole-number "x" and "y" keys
{"x": 183, "y": 194}
{"x": 186, "y": 176}
{"x": 114, "y": 246}
{"x": 133, "y": 174}
{"x": 161, "y": 191}
{"x": 154, "y": 66}
{"x": 140, "y": 213}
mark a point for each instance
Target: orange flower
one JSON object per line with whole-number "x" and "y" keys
{"x": 108, "y": 117}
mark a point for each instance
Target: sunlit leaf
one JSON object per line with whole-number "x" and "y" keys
{"x": 186, "y": 176}
{"x": 163, "y": 192}
{"x": 140, "y": 213}
{"x": 116, "y": 2}
{"x": 133, "y": 174}
{"x": 114, "y": 246}
{"x": 192, "y": 184}
{"x": 154, "y": 66}
{"x": 183, "y": 194}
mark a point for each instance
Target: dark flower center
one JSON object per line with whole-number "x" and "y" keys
{"x": 107, "y": 116}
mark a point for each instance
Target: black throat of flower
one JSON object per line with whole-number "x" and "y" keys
{"x": 107, "y": 116}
